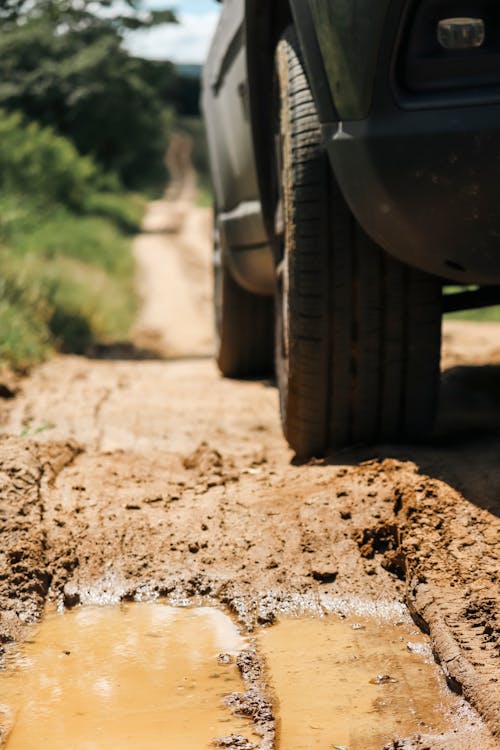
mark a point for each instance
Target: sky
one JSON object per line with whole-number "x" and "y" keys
{"x": 186, "y": 42}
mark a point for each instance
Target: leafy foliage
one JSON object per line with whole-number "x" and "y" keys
{"x": 66, "y": 268}
{"x": 176, "y": 90}
{"x": 35, "y": 161}
{"x": 63, "y": 64}
{"x": 81, "y": 121}
{"x": 83, "y": 13}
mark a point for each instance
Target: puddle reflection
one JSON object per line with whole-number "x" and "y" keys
{"x": 354, "y": 683}
{"x": 135, "y": 676}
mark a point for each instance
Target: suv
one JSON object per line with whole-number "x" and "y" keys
{"x": 355, "y": 155}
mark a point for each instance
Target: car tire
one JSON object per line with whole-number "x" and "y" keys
{"x": 244, "y": 325}
{"x": 358, "y": 333}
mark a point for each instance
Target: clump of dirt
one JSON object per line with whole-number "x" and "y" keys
{"x": 25, "y": 468}
{"x": 255, "y": 702}
{"x": 209, "y": 467}
{"x": 383, "y": 539}
{"x": 10, "y": 384}
{"x": 448, "y": 552}
{"x": 234, "y": 741}
{"x": 452, "y": 554}
{"x": 444, "y": 742}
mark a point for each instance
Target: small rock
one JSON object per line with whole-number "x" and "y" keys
{"x": 235, "y": 741}
{"x": 327, "y": 576}
{"x": 382, "y": 679}
{"x": 225, "y": 659}
{"x": 6, "y": 392}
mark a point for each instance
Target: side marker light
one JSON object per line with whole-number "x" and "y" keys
{"x": 461, "y": 33}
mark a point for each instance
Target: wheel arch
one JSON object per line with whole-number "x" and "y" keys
{"x": 265, "y": 23}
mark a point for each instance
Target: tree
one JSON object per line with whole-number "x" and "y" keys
{"x": 175, "y": 89}
{"x": 85, "y": 12}
{"x": 63, "y": 63}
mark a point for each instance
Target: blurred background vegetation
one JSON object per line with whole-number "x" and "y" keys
{"x": 84, "y": 128}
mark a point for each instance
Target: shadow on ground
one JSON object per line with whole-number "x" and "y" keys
{"x": 126, "y": 351}
{"x": 465, "y": 449}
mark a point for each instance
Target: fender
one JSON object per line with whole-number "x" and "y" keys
{"x": 313, "y": 60}
{"x": 264, "y": 24}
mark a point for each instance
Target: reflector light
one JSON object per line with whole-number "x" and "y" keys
{"x": 461, "y": 33}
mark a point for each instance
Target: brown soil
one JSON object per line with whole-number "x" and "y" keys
{"x": 140, "y": 472}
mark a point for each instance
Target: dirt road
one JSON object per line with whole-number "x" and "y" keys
{"x": 140, "y": 472}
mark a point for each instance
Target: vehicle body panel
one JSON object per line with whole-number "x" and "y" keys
{"x": 349, "y": 34}
{"x": 226, "y": 115}
{"x": 418, "y": 168}
{"x": 420, "y": 172}
{"x": 225, "y": 104}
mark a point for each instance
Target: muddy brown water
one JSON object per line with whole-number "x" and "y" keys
{"x": 136, "y": 676}
{"x": 151, "y": 676}
{"x": 354, "y": 683}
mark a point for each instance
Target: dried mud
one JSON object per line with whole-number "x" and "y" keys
{"x": 145, "y": 474}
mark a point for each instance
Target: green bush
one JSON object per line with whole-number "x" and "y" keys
{"x": 35, "y": 161}
{"x": 61, "y": 233}
{"x": 38, "y": 164}
{"x": 50, "y": 300}
{"x": 124, "y": 209}
{"x": 66, "y": 267}
{"x": 63, "y": 64}
{"x": 481, "y": 315}
{"x": 25, "y": 335}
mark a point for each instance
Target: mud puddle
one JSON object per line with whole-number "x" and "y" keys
{"x": 136, "y": 676}
{"x": 354, "y": 683}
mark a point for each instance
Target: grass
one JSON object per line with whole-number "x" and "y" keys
{"x": 204, "y": 195}
{"x": 487, "y": 314}
{"x": 66, "y": 266}
{"x": 66, "y": 278}
{"x": 482, "y": 315}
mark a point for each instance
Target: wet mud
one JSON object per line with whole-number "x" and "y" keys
{"x": 136, "y": 675}
{"x": 145, "y": 476}
{"x": 358, "y": 683}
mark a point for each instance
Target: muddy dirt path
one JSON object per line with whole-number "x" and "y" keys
{"x": 141, "y": 473}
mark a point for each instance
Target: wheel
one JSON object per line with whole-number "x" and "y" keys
{"x": 244, "y": 325}
{"x": 357, "y": 333}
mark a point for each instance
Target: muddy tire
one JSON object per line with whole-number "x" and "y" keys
{"x": 243, "y": 324}
{"x": 357, "y": 333}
